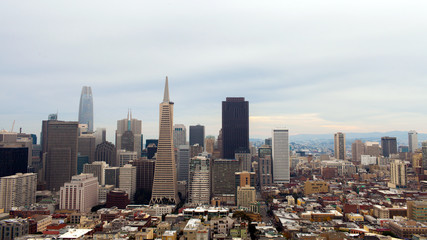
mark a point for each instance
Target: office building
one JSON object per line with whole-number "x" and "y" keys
{"x": 179, "y": 135}
{"x": 210, "y": 144}
{"x": 389, "y": 146}
{"x": 417, "y": 210}
{"x": 265, "y": 150}
{"x": 245, "y": 196}
{"x": 80, "y": 194}
{"x": 127, "y": 180}
{"x": 13, "y": 228}
{"x": 197, "y": 135}
{"x": 235, "y": 126}
{"x": 151, "y": 150}
{"x": 280, "y": 154}
{"x": 424, "y": 155}
{"x": 223, "y": 179}
{"x": 413, "y": 141}
{"x": 268, "y": 141}
{"x": 195, "y": 150}
{"x": 265, "y": 171}
{"x": 183, "y": 162}
{"x": 103, "y": 191}
{"x": 339, "y": 146}
{"x": 86, "y": 108}
{"x": 17, "y": 140}
{"x": 199, "y": 184}
{"x": 18, "y": 190}
{"x": 81, "y": 161}
{"x": 398, "y": 173}
{"x": 165, "y": 184}
{"x": 106, "y": 152}
{"x": 86, "y": 146}
{"x": 61, "y": 145}
{"x": 144, "y": 174}
{"x": 129, "y": 134}
{"x": 100, "y": 135}
{"x": 111, "y": 176}
{"x": 357, "y": 150}
{"x": 97, "y": 169}
{"x": 125, "y": 157}
{"x": 372, "y": 149}
{"x": 245, "y": 160}
{"x": 13, "y": 160}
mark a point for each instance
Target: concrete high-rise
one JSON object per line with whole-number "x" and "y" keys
{"x": 165, "y": 184}
{"x": 199, "y": 184}
{"x": 129, "y": 134}
{"x": 61, "y": 146}
{"x": 127, "y": 180}
{"x": 389, "y": 146}
{"x": 280, "y": 154}
{"x": 222, "y": 175}
{"x": 179, "y": 135}
{"x": 97, "y": 169}
{"x": 398, "y": 174}
{"x": 235, "y": 126}
{"x": 357, "y": 150}
{"x": 81, "y": 193}
{"x": 18, "y": 190}
{"x": 339, "y": 146}
{"x": 86, "y": 108}
{"x": 197, "y": 135}
{"x": 413, "y": 141}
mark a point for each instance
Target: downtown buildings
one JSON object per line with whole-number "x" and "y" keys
{"x": 86, "y": 108}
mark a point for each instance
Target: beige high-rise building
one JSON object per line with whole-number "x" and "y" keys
{"x": 165, "y": 184}
{"x": 97, "y": 169}
{"x": 127, "y": 180}
{"x": 210, "y": 144}
{"x": 372, "y": 149}
{"x": 128, "y": 134}
{"x": 357, "y": 150}
{"x": 80, "y": 194}
{"x": 18, "y": 190}
{"x": 398, "y": 174}
{"x": 245, "y": 196}
{"x": 339, "y": 145}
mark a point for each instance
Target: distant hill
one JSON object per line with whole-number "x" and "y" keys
{"x": 402, "y": 137}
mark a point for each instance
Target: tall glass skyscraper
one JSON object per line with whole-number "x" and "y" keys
{"x": 86, "y": 108}
{"x": 235, "y": 126}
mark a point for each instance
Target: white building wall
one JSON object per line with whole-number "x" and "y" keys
{"x": 280, "y": 148}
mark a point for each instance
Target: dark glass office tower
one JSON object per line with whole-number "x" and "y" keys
{"x": 13, "y": 160}
{"x": 86, "y": 108}
{"x": 235, "y": 126}
{"x": 389, "y": 146}
{"x": 197, "y": 135}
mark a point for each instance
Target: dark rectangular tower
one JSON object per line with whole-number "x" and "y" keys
{"x": 197, "y": 135}
{"x": 235, "y": 126}
{"x": 389, "y": 146}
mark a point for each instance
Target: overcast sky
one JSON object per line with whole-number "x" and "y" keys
{"x": 311, "y": 66}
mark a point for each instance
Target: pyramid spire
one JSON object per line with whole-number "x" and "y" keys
{"x": 166, "y": 95}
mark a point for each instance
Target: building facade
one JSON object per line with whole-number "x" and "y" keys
{"x": 412, "y": 141}
{"x": 235, "y": 126}
{"x": 165, "y": 184}
{"x": 86, "y": 108}
{"x": 179, "y": 135}
{"x": 389, "y": 146}
{"x": 199, "y": 182}
{"x": 197, "y": 135}
{"x": 18, "y": 190}
{"x": 80, "y": 194}
{"x": 339, "y": 146}
{"x": 280, "y": 154}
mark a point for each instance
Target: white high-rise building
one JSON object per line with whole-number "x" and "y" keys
{"x": 80, "y": 194}
{"x": 97, "y": 168}
{"x": 199, "y": 181}
{"x": 18, "y": 190}
{"x": 398, "y": 174}
{"x": 179, "y": 135}
{"x": 280, "y": 149}
{"x": 127, "y": 180}
{"x": 412, "y": 140}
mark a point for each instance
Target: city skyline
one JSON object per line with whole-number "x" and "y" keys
{"x": 305, "y": 66}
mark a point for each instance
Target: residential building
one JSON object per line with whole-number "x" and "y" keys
{"x": 398, "y": 174}
{"x": 18, "y": 190}
{"x": 314, "y": 187}
{"x": 339, "y": 146}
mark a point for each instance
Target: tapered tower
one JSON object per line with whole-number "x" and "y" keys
{"x": 86, "y": 108}
{"x": 164, "y": 185}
